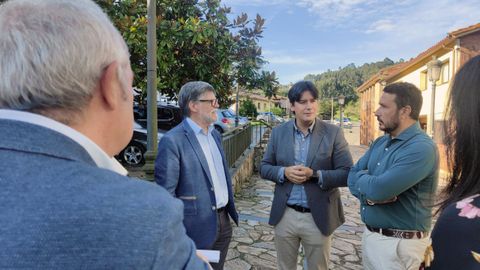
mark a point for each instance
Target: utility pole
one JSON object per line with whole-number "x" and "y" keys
{"x": 152, "y": 125}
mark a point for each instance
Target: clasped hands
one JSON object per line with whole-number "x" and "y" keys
{"x": 298, "y": 174}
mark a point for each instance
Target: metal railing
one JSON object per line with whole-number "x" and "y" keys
{"x": 235, "y": 143}
{"x": 259, "y": 128}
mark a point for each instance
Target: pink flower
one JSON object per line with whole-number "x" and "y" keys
{"x": 468, "y": 210}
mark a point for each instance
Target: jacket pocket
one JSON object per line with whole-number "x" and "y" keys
{"x": 189, "y": 205}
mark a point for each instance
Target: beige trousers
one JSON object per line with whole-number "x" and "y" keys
{"x": 295, "y": 228}
{"x": 380, "y": 252}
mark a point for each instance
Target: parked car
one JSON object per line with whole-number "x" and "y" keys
{"x": 279, "y": 119}
{"x": 346, "y": 122}
{"x": 265, "y": 116}
{"x": 242, "y": 120}
{"x": 270, "y": 117}
{"x": 225, "y": 121}
{"x": 168, "y": 115}
{"x": 134, "y": 153}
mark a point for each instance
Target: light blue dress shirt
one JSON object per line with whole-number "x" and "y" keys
{"x": 214, "y": 161}
{"x": 298, "y": 196}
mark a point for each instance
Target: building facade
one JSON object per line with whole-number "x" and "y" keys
{"x": 262, "y": 103}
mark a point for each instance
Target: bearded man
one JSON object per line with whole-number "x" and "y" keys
{"x": 395, "y": 182}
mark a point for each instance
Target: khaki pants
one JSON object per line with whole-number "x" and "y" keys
{"x": 296, "y": 228}
{"x": 380, "y": 252}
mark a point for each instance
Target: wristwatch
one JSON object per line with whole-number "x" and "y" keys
{"x": 314, "y": 176}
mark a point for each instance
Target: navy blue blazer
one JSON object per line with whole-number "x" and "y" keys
{"x": 181, "y": 167}
{"x": 58, "y": 210}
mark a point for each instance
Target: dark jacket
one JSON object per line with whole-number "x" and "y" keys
{"x": 329, "y": 153}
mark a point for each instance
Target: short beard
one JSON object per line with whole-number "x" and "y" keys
{"x": 390, "y": 128}
{"x": 208, "y": 120}
{"x": 393, "y": 125}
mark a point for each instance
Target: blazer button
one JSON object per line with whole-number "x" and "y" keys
{"x": 211, "y": 188}
{"x": 214, "y": 208}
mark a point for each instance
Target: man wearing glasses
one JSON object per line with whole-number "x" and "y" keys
{"x": 191, "y": 165}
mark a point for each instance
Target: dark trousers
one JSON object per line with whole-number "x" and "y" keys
{"x": 224, "y": 236}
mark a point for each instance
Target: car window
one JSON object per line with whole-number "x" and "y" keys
{"x": 164, "y": 114}
{"x": 228, "y": 114}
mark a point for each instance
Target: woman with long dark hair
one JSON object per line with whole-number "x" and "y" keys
{"x": 456, "y": 236}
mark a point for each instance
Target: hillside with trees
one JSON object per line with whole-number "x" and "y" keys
{"x": 344, "y": 81}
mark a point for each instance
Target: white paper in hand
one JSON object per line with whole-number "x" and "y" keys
{"x": 212, "y": 255}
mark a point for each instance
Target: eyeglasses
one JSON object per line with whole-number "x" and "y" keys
{"x": 213, "y": 102}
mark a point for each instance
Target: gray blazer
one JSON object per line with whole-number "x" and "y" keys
{"x": 58, "y": 210}
{"x": 329, "y": 153}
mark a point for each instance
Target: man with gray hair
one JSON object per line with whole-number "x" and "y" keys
{"x": 65, "y": 111}
{"x": 191, "y": 165}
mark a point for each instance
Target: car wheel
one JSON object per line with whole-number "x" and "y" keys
{"x": 219, "y": 129}
{"x": 133, "y": 154}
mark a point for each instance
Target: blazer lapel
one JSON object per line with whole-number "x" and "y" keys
{"x": 197, "y": 149}
{"x": 287, "y": 142}
{"x": 317, "y": 137}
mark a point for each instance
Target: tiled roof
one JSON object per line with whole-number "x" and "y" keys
{"x": 465, "y": 31}
{"x": 261, "y": 97}
{"x": 424, "y": 56}
{"x": 380, "y": 75}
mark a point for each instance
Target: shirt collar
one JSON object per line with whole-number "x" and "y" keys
{"x": 409, "y": 132}
{"x": 196, "y": 128}
{"x": 310, "y": 128}
{"x": 96, "y": 153}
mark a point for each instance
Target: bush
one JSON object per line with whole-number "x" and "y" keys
{"x": 248, "y": 109}
{"x": 277, "y": 111}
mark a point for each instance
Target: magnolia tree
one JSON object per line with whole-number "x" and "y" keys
{"x": 195, "y": 41}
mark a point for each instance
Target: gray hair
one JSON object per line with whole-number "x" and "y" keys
{"x": 192, "y": 91}
{"x": 53, "y": 53}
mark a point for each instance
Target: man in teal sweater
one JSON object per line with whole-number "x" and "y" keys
{"x": 395, "y": 182}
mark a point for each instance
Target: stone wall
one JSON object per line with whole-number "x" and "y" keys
{"x": 242, "y": 169}
{"x": 249, "y": 162}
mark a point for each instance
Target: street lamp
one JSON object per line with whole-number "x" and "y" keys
{"x": 341, "y": 101}
{"x": 434, "y": 68}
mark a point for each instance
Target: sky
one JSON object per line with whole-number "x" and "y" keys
{"x": 311, "y": 36}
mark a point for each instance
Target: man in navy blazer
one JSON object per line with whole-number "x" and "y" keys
{"x": 191, "y": 165}
{"x": 66, "y": 99}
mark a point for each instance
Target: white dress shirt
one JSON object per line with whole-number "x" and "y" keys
{"x": 214, "y": 160}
